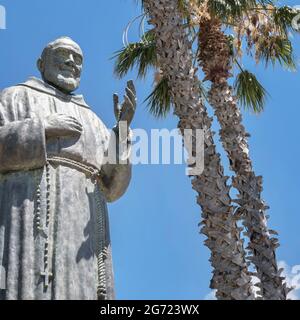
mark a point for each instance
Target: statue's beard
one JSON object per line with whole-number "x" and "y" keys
{"x": 63, "y": 81}
{"x": 68, "y": 84}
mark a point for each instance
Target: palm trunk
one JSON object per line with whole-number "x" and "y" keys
{"x": 215, "y": 60}
{"x": 230, "y": 274}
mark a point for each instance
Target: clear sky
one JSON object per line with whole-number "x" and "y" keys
{"x": 157, "y": 250}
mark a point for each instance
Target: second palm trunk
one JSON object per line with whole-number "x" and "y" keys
{"x": 215, "y": 60}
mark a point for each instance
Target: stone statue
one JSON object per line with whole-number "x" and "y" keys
{"x": 54, "y": 185}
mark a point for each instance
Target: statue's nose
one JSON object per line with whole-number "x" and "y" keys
{"x": 70, "y": 61}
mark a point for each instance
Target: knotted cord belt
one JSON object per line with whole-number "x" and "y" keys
{"x": 101, "y": 248}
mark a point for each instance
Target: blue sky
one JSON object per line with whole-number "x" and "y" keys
{"x": 157, "y": 251}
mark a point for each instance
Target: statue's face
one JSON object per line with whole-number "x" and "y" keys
{"x": 62, "y": 66}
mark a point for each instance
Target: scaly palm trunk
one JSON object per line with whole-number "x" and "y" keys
{"x": 230, "y": 275}
{"x": 214, "y": 57}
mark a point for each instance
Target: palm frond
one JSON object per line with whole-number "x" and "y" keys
{"x": 249, "y": 91}
{"x": 183, "y": 8}
{"x": 159, "y": 101}
{"x": 141, "y": 54}
{"x": 230, "y": 9}
{"x": 276, "y": 49}
{"x": 283, "y": 18}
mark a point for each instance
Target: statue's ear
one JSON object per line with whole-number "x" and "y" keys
{"x": 40, "y": 65}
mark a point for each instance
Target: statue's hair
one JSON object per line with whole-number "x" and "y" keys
{"x": 52, "y": 44}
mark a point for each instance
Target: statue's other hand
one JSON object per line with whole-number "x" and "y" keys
{"x": 126, "y": 111}
{"x": 59, "y": 125}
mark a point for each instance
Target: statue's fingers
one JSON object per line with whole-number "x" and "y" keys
{"x": 116, "y": 98}
{"x": 73, "y": 120}
{"x": 116, "y": 105}
{"x": 76, "y": 126}
{"x": 131, "y": 92}
{"x": 71, "y": 117}
{"x": 74, "y": 129}
{"x": 64, "y": 117}
{"x": 127, "y": 102}
{"x": 131, "y": 86}
{"x": 77, "y": 131}
{"x": 130, "y": 95}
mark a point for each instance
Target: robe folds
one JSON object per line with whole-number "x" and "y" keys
{"x": 50, "y": 233}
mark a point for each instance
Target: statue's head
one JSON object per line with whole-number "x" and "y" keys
{"x": 61, "y": 63}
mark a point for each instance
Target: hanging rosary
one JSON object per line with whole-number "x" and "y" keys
{"x": 44, "y": 230}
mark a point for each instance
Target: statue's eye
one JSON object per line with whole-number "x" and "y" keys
{"x": 77, "y": 59}
{"x": 63, "y": 53}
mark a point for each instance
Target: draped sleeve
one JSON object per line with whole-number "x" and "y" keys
{"x": 116, "y": 173}
{"x": 22, "y": 134}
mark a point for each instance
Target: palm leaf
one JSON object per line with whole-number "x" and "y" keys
{"x": 230, "y": 9}
{"x": 159, "y": 101}
{"x": 276, "y": 48}
{"x": 183, "y": 7}
{"x": 283, "y": 18}
{"x": 141, "y": 54}
{"x": 250, "y": 92}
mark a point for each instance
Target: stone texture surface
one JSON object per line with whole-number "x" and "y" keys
{"x": 75, "y": 202}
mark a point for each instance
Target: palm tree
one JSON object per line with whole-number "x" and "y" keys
{"x": 217, "y": 54}
{"x": 216, "y": 59}
{"x": 173, "y": 56}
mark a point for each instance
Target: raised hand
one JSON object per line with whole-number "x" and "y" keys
{"x": 126, "y": 111}
{"x": 60, "y": 125}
